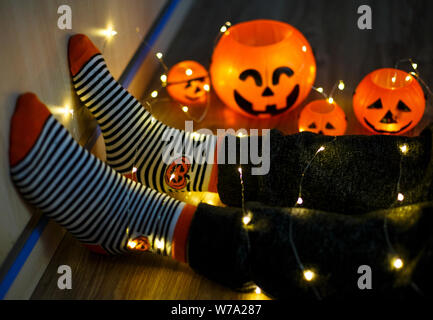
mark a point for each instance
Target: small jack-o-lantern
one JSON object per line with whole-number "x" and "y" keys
{"x": 262, "y": 68}
{"x": 322, "y": 117}
{"x": 188, "y": 83}
{"x": 389, "y": 101}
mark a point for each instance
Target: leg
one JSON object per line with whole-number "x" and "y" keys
{"x": 133, "y": 138}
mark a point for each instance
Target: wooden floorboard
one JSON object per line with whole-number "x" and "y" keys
{"x": 401, "y": 29}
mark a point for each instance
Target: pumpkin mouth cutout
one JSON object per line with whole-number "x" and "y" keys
{"x": 268, "y": 34}
{"x": 271, "y": 109}
{"x": 386, "y": 131}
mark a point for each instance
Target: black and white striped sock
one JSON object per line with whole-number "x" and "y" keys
{"x": 99, "y": 206}
{"x": 133, "y": 138}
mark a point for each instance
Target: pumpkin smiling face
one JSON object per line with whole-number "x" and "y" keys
{"x": 262, "y": 68}
{"x": 186, "y": 83}
{"x": 389, "y": 101}
{"x": 322, "y": 117}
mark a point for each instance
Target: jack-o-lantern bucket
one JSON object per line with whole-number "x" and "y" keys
{"x": 262, "y": 68}
{"x": 322, "y": 117}
{"x": 187, "y": 81}
{"x": 389, "y": 101}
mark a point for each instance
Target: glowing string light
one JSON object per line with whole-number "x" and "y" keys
{"x": 158, "y": 55}
{"x": 185, "y": 109}
{"x": 188, "y": 72}
{"x": 132, "y": 244}
{"x": 159, "y": 244}
{"x": 341, "y": 85}
{"x": 154, "y": 94}
{"x": 309, "y": 275}
{"x": 258, "y": 290}
{"x": 397, "y": 263}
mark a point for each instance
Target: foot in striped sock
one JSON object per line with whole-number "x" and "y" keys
{"x": 100, "y": 207}
{"x": 134, "y": 140}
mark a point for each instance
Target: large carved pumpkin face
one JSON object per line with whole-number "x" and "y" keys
{"x": 186, "y": 83}
{"x": 262, "y": 68}
{"x": 389, "y": 101}
{"x": 322, "y": 117}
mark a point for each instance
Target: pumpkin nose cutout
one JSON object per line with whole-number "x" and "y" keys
{"x": 388, "y": 118}
{"x": 268, "y": 92}
{"x": 321, "y": 132}
{"x": 197, "y": 90}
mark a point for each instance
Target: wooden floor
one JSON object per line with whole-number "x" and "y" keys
{"x": 401, "y": 29}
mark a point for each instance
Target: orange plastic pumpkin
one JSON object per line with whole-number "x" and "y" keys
{"x": 322, "y": 117}
{"x": 389, "y": 101}
{"x": 186, "y": 83}
{"x": 262, "y": 68}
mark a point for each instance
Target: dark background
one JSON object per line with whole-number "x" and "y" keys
{"x": 401, "y": 29}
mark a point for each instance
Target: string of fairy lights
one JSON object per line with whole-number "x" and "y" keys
{"x": 309, "y": 275}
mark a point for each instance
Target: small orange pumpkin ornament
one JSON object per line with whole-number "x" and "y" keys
{"x": 389, "y": 101}
{"x": 188, "y": 83}
{"x": 322, "y": 117}
{"x": 262, "y": 68}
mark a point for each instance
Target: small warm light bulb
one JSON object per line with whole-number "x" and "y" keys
{"x": 330, "y": 100}
{"x": 152, "y": 119}
{"x": 134, "y": 169}
{"x": 132, "y": 244}
{"x": 320, "y": 89}
{"x": 67, "y": 110}
{"x": 413, "y": 73}
{"x": 240, "y": 134}
{"x": 341, "y": 85}
{"x": 300, "y": 201}
{"x": 240, "y": 170}
{"x": 159, "y": 55}
{"x": 172, "y": 176}
{"x": 109, "y": 32}
{"x": 188, "y": 72}
{"x": 163, "y": 78}
{"x": 414, "y": 66}
{"x": 159, "y": 244}
{"x": 246, "y": 219}
{"x": 397, "y": 263}
{"x": 404, "y": 148}
{"x": 408, "y": 78}
{"x": 228, "y": 23}
{"x": 304, "y": 48}
{"x": 258, "y": 290}
{"x": 223, "y": 29}
{"x": 195, "y": 136}
{"x": 206, "y": 87}
{"x": 393, "y": 79}
{"x": 321, "y": 149}
{"x": 154, "y": 94}
{"x": 400, "y": 197}
{"x": 185, "y": 109}
{"x": 309, "y": 275}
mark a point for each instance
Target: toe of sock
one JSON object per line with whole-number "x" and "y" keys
{"x": 80, "y": 50}
{"x": 27, "y": 123}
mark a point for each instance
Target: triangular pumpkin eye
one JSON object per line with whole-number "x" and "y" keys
{"x": 312, "y": 126}
{"x": 403, "y": 107}
{"x": 329, "y": 126}
{"x": 376, "y": 105}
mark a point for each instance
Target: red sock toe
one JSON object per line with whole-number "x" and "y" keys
{"x": 26, "y": 125}
{"x": 80, "y": 50}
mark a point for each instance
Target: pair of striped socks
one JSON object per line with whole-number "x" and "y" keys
{"x": 95, "y": 201}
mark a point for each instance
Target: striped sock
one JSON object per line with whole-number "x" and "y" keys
{"x": 133, "y": 138}
{"x": 101, "y": 208}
